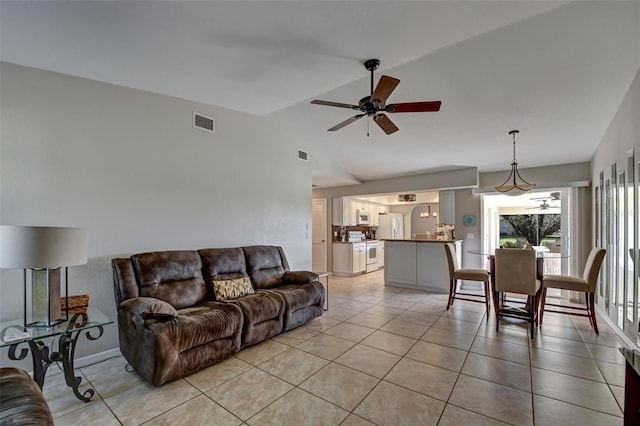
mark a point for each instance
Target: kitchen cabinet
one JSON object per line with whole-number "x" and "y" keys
{"x": 381, "y": 255}
{"x": 349, "y": 258}
{"x": 419, "y": 264}
{"x": 344, "y": 211}
{"x": 375, "y": 210}
{"x": 400, "y": 263}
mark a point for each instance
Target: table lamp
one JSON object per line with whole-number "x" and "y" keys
{"x": 44, "y": 251}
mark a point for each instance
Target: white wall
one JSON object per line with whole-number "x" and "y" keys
{"x": 420, "y": 225}
{"x": 622, "y": 135}
{"x": 129, "y": 166}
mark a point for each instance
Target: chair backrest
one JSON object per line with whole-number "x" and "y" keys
{"x": 516, "y": 271}
{"x": 592, "y": 267}
{"x": 451, "y": 258}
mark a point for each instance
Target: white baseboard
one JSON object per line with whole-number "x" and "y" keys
{"x": 88, "y": 360}
{"x": 631, "y": 344}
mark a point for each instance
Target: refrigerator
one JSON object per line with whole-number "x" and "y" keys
{"x": 390, "y": 226}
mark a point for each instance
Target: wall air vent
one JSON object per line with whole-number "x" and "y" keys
{"x": 303, "y": 155}
{"x": 204, "y": 123}
{"x": 406, "y": 197}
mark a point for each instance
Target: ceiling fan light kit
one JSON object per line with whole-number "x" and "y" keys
{"x": 375, "y": 106}
{"x": 515, "y": 185}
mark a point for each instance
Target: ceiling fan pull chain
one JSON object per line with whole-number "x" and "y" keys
{"x": 368, "y": 126}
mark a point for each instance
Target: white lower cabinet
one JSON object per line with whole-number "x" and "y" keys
{"x": 421, "y": 264}
{"x": 400, "y": 263}
{"x": 349, "y": 258}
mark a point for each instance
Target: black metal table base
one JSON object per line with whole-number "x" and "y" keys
{"x": 43, "y": 358}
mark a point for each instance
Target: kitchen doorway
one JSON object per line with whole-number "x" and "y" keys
{"x": 319, "y": 235}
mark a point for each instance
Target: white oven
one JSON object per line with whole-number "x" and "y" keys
{"x": 372, "y": 255}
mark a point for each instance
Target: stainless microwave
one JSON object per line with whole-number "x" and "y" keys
{"x": 362, "y": 217}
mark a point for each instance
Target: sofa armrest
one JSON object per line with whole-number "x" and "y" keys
{"x": 21, "y": 400}
{"x": 299, "y": 277}
{"x": 149, "y": 309}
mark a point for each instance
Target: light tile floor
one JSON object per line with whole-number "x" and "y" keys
{"x": 379, "y": 356}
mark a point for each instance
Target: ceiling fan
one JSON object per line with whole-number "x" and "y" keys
{"x": 543, "y": 206}
{"x": 553, "y": 196}
{"x": 375, "y": 106}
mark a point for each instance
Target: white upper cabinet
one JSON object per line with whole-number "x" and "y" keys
{"x": 344, "y": 211}
{"x": 447, "y": 213}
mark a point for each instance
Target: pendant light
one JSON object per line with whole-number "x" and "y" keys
{"x": 427, "y": 214}
{"x": 511, "y": 186}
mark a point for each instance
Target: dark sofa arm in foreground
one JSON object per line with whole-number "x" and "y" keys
{"x": 21, "y": 401}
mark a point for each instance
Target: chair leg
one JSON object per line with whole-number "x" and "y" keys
{"x": 592, "y": 297}
{"x": 486, "y": 297}
{"x": 497, "y": 309}
{"x": 450, "y": 299}
{"x": 532, "y": 307}
{"x": 542, "y": 301}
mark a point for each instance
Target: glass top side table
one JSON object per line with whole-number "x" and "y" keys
{"x": 42, "y": 355}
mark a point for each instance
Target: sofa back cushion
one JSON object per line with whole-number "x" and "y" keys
{"x": 266, "y": 265}
{"x": 172, "y": 276}
{"x": 125, "y": 283}
{"x": 220, "y": 264}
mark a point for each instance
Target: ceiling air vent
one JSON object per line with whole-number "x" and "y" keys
{"x": 406, "y": 197}
{"x": 204, "y": 123}
{"x": 303, "y": 155}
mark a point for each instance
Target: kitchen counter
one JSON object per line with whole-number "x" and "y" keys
{"x": 356, "y": 242}
{"x": 427, "y": 241}
{"x": 414, "y": 264}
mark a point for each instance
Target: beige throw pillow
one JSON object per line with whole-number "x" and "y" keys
{"x": 232, "y": 289}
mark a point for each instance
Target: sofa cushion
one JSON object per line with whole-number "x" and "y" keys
{"x": 172, "y": 276}
{"x": 300, "y": 297}
{"x": 222, "y": 264}
{"x": 263, "y": 313}
{"x": 266, "y": 265}
{"x": 232, "y": 289}
{"x": 198, "y": 325}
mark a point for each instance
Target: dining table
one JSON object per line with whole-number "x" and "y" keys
{"x": 542, "y": 254}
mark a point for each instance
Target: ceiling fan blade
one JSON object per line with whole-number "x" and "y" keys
{"x": 346, "y": 122}
{"x": 385, "y": 86}
{"x": 385, "y": 123}
{"x": 335, "y": 104}
{"x": 430, "y": 106}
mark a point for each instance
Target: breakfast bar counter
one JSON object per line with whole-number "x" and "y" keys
{"x": 419, "y": 264}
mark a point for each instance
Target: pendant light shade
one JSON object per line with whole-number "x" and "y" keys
{"x": 515, "y": 184}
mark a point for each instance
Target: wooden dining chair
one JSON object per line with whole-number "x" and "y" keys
{"x": 468, "y": 274}
{"x": 586, "y": 284}
{"x": 515, "y": 272}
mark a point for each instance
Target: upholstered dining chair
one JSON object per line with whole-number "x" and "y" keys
{"x": 586, "y": 284}
{"x": 468, "y": 274}
{"x": 515, "y": 272}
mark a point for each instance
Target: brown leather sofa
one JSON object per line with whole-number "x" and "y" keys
{"x": 170, "y": 324}
{"x": 21, "y": 401}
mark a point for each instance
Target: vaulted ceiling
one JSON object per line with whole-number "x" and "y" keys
{"x": 555, "y": 70}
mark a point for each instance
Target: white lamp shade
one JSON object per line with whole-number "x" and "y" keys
{"x": 36, "y": 247}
